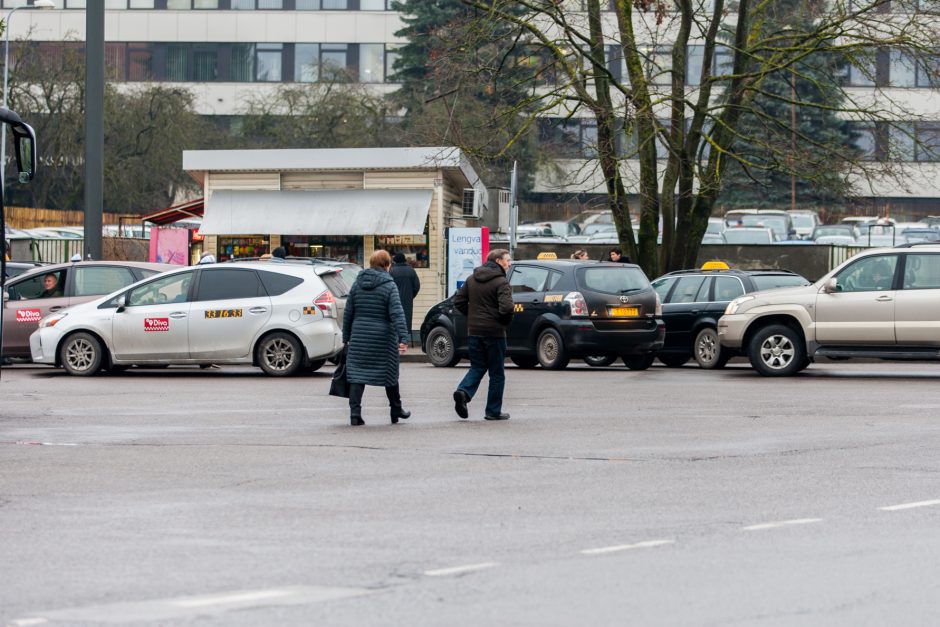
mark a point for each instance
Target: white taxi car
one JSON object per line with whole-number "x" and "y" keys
{"x": 280, "y": 317}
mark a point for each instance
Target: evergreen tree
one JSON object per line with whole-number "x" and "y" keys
{"x": 771, "y": 151}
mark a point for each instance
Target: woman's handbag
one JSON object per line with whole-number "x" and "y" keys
{"x": 339, "y": 386}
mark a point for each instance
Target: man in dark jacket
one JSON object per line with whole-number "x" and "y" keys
{"x": 486, "y": 300}
{"x": 408, "y": 285}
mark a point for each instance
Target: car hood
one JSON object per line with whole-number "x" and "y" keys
{"x": 801, "y": 295}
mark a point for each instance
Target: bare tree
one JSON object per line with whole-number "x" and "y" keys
{"x": 668, "y": 124}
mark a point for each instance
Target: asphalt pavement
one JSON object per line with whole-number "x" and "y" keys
{"x": 611, "y": 497}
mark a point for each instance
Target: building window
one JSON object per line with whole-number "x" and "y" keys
{"x": 268, "y": 62}
{"x": 205, "y": 64}
{"x": 413, "y": 247}
{"x": 241, "y": 67}
{"x": 722, "y": 62}
{"x": 251, "y": 5}
{"x": 391, "y": 55}
{"x": 140, "y": 4}
{"x": 569, "y": 138}
{"x": 177, "y": 62}
{"x": 334, "y": 60}
{"x": 863, "y": 71}
{"x": 373, "y": 5}
{"x": 928, "y": 72}
{"x": 901, "y": 69}
{"x": 335, "y": 5}
{"x": 902, "y": 146}
{"x": 140, "y": 62}
{"x": 928, "y": 141}
{"x": 865, "y": 141}
{"x": 306, "y": 63}
{"x": 371, "y": 63}
{"x": 185, "y": 5}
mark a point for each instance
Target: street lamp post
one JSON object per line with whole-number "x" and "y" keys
{"x": 38, "y": 4}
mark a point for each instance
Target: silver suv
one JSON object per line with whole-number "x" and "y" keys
{"x": 880, "y": 303}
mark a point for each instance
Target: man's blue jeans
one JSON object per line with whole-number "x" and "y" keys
{"x": 487, "y": 355}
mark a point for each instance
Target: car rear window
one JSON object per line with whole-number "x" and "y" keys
{"x": 773, "y": 281}
{"x": 612, "y": 279}
{"x": 276, "y": 283}
{"x": 336, "y": 284}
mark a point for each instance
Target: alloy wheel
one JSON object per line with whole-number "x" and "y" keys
{"x": 777, "y": 351}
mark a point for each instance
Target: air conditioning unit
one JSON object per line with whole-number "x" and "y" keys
{"x": 472, "y": 201}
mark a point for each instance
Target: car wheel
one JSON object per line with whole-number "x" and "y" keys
{"x": 550, "y": 350}
{"x": 639, "y": 362}
{"x": 707, "y": 350}
{"x": 315, "y": 365}
{"x": 442, "y": 350}
{"x": 524, "y": 361}
{"x": 673, "y": 361}
{"x": 280, "y": 354}
{"x": 600, "y": 361}
{"x": 777, "y": 351}
{"x": 81, "y": 354}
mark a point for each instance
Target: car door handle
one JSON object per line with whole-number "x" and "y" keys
{"x": 884, "y": 298}
{"x": 258, "y": 310}
{"x": 56, "y": 308}
{"x": 178, "y": 314}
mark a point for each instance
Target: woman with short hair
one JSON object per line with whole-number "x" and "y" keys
{"x": 375, "y": 334}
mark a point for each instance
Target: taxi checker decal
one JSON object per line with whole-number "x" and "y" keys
{"x": 156, "y": 324}
{"x": 223, "y": 313}
{"x": 518, "y": 307}
{"x": 28, "y": 315}
{"x": 309, "y": 311}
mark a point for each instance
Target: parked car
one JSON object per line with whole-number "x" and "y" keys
{"x": 713, "y": 238}
{"x": 804, "y": 221}
{"x": 565, "y": 309}
{"x": 281, "y": 317}
{"x": 693, "y": 301}
{"x": 842, "y": 230}
{"x": 24, "y": 301}
{"x": 880, "y": 304}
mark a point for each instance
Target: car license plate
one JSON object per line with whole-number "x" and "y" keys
{"x": 624, "y": 312}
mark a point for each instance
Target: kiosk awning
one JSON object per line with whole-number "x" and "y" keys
{"x": 317, "y": 212}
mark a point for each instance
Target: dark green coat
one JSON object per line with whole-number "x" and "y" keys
{"x": 373, "y": 326}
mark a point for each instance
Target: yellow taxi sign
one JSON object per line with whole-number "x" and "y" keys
{"x": 547, "y": 256}
{"x": 715, "y": 265}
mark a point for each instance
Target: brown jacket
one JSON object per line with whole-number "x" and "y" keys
{"x": 486, "y": 300}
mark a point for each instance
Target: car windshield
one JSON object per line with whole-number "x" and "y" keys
{"x": 803, "y": 220}
{"x": 773, "y": 281}
{"x": 612, "y": 279}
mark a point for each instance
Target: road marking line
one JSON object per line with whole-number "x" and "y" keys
{"x": 456, "y": 570}
{"x": 224, "y": 599}
{"x": 894, "y": 508}
{"x": 626, "y": 547}
{"x": 782, "y": 523}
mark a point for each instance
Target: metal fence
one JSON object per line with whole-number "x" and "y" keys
{"x": 839, "y": 254}
{"x": 46, "y": 250}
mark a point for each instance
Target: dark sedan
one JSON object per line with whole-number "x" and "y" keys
{"x": 565, "y": 309}
{"x": 693, "y": 300}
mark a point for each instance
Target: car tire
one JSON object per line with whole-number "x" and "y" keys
{"x": 315, "y": 365}
{"x": 674, "y": 361}
{"x": 280, "y": 354}
{"x": 441, "y": 348}
{"x": 777, "y": 351}
{"x": 81, "y": 354}
{"x": 707, "y": 350}
{"x": 525, "y": 362}
{"x": 550, "y": 350}
{"x": 639, "y": 362}
{"x": 600, "y": 361}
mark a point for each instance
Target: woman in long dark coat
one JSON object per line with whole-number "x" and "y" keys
{"x": 375, "y": 333}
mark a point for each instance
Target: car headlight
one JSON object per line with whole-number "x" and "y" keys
{"x": 51, "y": 320}
{"x": 733, "y": 306}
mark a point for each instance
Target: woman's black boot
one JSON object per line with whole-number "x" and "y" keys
{"x": 394, "y": 403}
{"x": 355, "y": 404}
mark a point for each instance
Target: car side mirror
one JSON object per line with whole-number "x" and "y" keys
{"x": 6, "y": 296}
{"x": 832, "y": 285}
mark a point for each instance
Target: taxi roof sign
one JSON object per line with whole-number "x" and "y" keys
{"x": 715, "y": 265}
{"x": 547, "y": 256}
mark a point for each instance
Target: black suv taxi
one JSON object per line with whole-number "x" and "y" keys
{"x": 564, "y": 309}
{"x": 693, "y": 300}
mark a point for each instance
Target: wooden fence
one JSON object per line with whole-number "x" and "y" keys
{"x": 31, "y": 218}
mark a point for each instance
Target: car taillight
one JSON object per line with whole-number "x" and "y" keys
{"x": 326, "y": 304}
{"x": 659, "y": 305}
{"x": 579, "y": 308}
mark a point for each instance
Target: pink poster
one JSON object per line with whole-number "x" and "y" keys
{"x": 169, "y": 245}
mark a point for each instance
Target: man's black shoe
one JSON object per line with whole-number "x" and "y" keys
{"x": 502, "y": 416}
{"x": 461, "y": 399}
